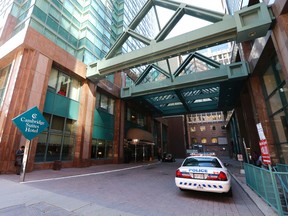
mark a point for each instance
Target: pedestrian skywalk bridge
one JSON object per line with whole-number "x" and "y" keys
{"x": 169, "y": 75}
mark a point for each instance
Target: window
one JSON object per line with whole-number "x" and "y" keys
{"x": 104, "y": 102}
{"x": 276, "y": 95}
{"x": 135, "y": 117}
{"x": 53, "y": 78}
{"x": 202, "y": 162}
{"x": 202, "y": 128}
{"x": 140, "y": 119}
{"x": 111, "y": 106}
{"x": 214, "y": 140}
{"x": 56, "y": 142}
{"x": 64, "y": 84}
{"x": 203, "y": 140}
{"x": 194, "y": 140}
{"x": 57, "y": 123}
{"x": 101, "y": 149}
{"x": 3, "y": 80}
{"x": 193, "y": 129}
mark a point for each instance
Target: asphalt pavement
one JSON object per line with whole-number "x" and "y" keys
{"x": 16, "y": 197}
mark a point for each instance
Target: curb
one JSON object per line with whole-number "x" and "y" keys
{"x": 259, "y": 202}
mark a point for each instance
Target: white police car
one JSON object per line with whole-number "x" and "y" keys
{"x": 203, "y": 173}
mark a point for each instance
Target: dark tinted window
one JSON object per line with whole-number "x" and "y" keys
{"x": 202, "y": 162}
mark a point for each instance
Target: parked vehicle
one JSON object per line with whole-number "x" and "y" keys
{"x": 203, "y": 173}
{"x": 167, "y": 157}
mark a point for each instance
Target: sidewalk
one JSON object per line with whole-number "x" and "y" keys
{"x": 20, "y": 192}
{"x": 236, "y": 169}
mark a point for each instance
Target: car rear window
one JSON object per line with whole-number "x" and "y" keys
{"x": 202, "y": 162}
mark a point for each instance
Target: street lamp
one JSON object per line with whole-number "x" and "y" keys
{"x": 135, "y": 141}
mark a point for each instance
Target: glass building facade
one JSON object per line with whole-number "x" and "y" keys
{"x": 86, "y": 30}
{"x": 82, "y": 28}
{"x": 275, "y": 91}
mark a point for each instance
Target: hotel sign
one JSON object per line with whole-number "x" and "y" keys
{"x": 31, "y": 123}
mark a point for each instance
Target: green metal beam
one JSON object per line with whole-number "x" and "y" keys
{"x": 170, "y": 100}
{"x": 198, "y": 56}
{"x": 147, "y": 70}
{"x": 247, "y": 24}
{"x": 139, "y": 37}
{"x": 234, "y": 71}
{"x": 208, "y": 15}
{"x": 170, "y": 24}
{"x": 202, "y": 96}
{"x": 182, "y": 99}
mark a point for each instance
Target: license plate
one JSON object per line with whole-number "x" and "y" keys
{"x": 198, "y": 176}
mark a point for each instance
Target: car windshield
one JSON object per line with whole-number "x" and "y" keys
{"x": 202, "y": 162}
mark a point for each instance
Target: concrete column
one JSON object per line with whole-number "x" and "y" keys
{"x": 26, "y": 88}
{"x": 119, "y": 123}
{"x": 85, "y": 125}
{"x": 261, "y": 115}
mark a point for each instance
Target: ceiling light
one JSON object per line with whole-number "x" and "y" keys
{"x": 252, "y": 34}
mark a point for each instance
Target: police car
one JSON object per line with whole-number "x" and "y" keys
{"x": 203, "y": 173}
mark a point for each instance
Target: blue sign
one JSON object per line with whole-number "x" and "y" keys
{"x": 31, "y": 123}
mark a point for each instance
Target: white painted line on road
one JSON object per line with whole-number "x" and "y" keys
{"x": 82, "y": 175}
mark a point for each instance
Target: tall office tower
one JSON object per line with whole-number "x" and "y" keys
{"x": 45, "y": 47}
{"x": 82, "y": 28}
{"x": 85, "y": 29}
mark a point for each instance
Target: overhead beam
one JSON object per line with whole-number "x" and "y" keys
{"x": 208, "y": 15}
{"x": 170, "y": 24}
{"x": 182, "y": 100}
{"x": 210, "y": 35}
{"x": 234, "y": 71}
{"x": 202, "y": 96}
{"x": 197, "y": 56}
{"x": 246, "y": 24}
{"x": 158, "y": 103}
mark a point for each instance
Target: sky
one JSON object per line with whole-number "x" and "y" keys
{"x": 188, "y": 23}
{"x": 214, "y": 5}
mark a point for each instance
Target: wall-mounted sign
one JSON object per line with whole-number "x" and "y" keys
{"x": 239, "y": 157}
{"x": 265, "y": 151}
{"x": 263, "y": 145}
{"x": 260, "y": 131}
{"x": 30, "y": 123}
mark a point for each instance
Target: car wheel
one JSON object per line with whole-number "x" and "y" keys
{"x": 229, "y": 193}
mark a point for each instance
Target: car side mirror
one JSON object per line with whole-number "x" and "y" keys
{"x": 226, "y": 164}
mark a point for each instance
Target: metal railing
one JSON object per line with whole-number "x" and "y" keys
{"x": 283, "y": 168}
{"x": 283, "y": 182}
{"x": 269, "y": 185}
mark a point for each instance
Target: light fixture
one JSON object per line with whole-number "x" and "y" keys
{"x": 135, "y": 141}
{"x": 252, "y": 34}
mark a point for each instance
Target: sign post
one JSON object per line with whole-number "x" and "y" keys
{"x": 240, "y": 158}
{"x": 25, "y": 160}
{"x": 30, "y": 123}
{"x": 245, "y": 149}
